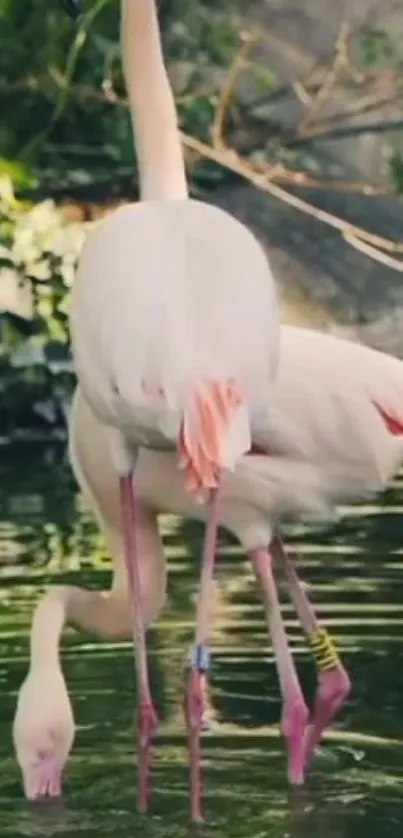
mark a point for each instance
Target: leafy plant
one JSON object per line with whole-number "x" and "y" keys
{"x": 38, "y": 253}
{"x": 374, "y": 45}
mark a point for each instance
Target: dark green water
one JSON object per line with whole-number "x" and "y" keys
{"x": 355, "y": 573}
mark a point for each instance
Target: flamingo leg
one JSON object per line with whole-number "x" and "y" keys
{"x": 195, "y": 697}
{"x": 295, "y": 712}
{"x": 147, "y": 718}
{"x": 334, "y": 684}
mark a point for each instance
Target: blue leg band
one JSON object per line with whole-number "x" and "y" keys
{"x": 199, "y": 658}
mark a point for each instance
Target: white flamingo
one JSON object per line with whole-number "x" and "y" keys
{"x": 350, "y": 422}
{"x": 175, "y": 339}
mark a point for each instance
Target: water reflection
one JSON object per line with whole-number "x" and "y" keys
{"x": 355, "y": 575}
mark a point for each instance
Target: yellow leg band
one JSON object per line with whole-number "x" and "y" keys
{"x": 324, "y": 650}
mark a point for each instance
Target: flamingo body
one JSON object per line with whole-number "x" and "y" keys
{"x": 344, "y": 403}
{"x": 338, "y": 420}
{"x": 175, "y": 336}
{"x": 175, "y": 339}
{"x": 168, "y": 295}
{"x": 347, "y": 402}
{"x": 327, "y": 394}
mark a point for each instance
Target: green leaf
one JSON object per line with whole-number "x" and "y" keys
{"x": 17, "y": 173}
{"x": 374, "y": 46}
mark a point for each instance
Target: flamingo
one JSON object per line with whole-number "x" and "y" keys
{"x": 175, "y": 338}
{"x": 354, "y": 443}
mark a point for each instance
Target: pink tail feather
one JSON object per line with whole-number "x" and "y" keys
{"x": 214, "y": 433}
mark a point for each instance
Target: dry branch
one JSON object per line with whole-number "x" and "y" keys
{"x": 358, "y": 237}
{"x": 314, "y": 89}
{"x": 238, "y": 64}
{"x": 352, "y": 233}
{"x": 339, "y": 63}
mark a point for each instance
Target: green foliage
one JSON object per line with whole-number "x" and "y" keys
{"x": 65, "y": 134}
{"x": 60, "y": 127}
{"x": 375, "y": 46}
{"x": 62, "y": 133}
{"x": 38, "y": 254}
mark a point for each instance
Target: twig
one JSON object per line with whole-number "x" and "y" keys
{"x": 373, "y": 246}
{"x": 306, "y": 87}
{"x": 373, "y": 253}
{"x": 217, "y": 130}
{"x": 302, "y": 93}
{"x": 230, "y": 160}
{"x": 71, "y": 62}
{"x": 331, "y": 77}
{"x": 340, "y": 133}
{"x": 277, "y": 172}
{"x": 370, "y": 102}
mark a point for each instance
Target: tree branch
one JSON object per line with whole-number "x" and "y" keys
{"x": 343, "y": 131}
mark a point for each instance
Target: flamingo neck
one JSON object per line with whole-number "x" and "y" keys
{"x": 47, "y": 627}
{"x": 161, "y": 164}
{"x": 89, "y": 610}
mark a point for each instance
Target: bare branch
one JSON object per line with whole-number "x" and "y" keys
{"x": 230, "y": 160}
{"x": 373, "y": 252}
{"x": 314, "y": 89}
{"x": 344, "y": 131}
{"x": 340, "y": 63}
{"x": 238, "y": 64}
{"x": 360, "y": 238}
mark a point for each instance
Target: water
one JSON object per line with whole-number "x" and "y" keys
{"x": 354, "y": 571}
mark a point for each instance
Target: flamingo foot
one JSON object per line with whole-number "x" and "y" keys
{"x": 333, "y": 688}
{"x": 46, "y": 780}
{"x": 147, "y": 725}
{"x": 194, "y": 710}
{"x": 294, "y": 724}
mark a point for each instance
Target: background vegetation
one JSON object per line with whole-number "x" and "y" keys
{"x": 66, "y": 149}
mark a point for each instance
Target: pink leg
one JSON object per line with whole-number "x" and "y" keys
{"x": 333, "y": 682}
{"x": 208, "y": 709}
{"x": 295, "y": 713}
{"x": 147, "y": 719}
{"x": 195, "y": 692}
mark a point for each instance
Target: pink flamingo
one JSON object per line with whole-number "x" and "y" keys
{"x": 352, "y": 435}
{"x": 175, "y": 338}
